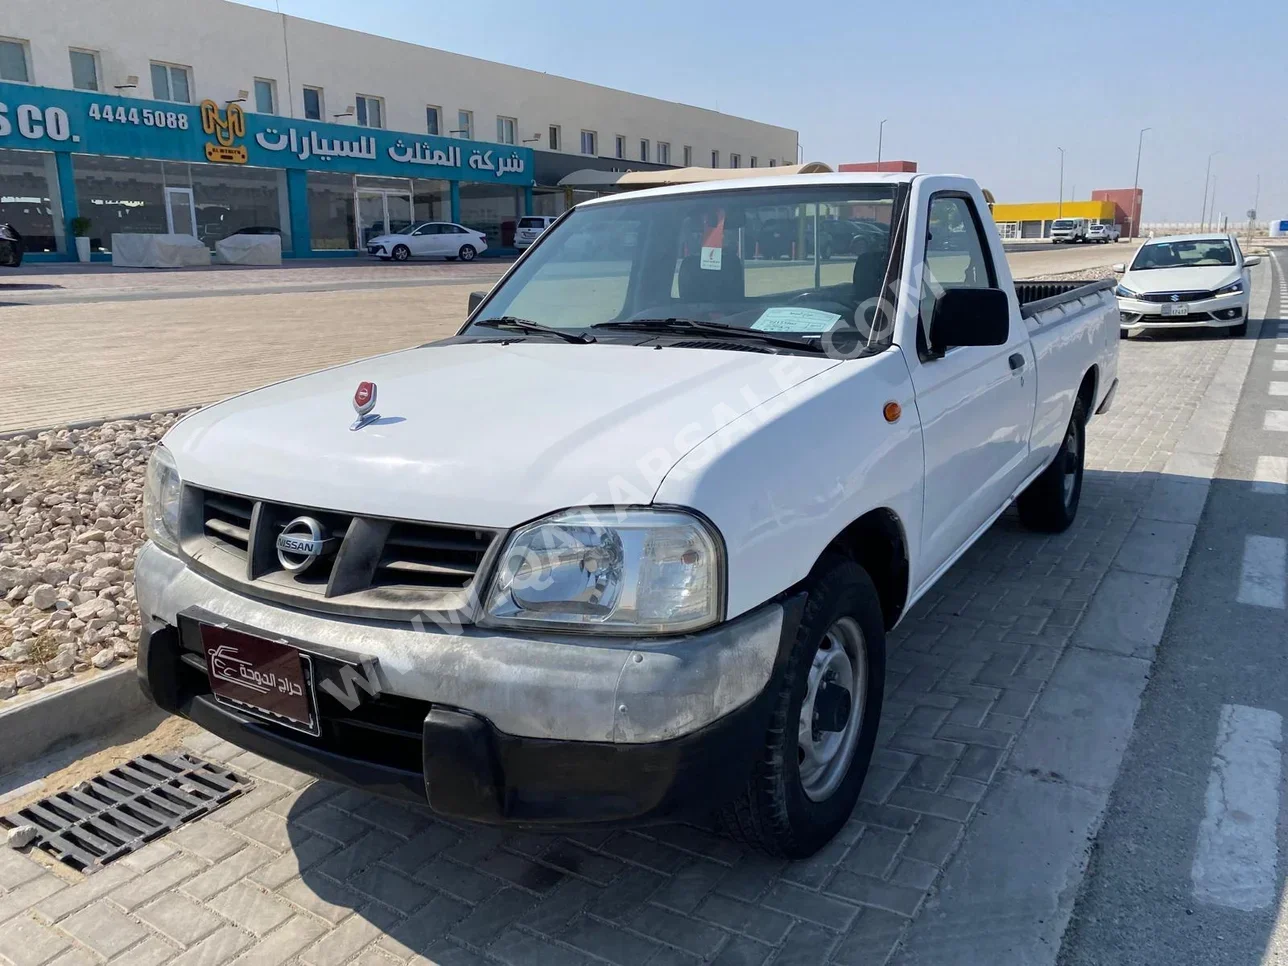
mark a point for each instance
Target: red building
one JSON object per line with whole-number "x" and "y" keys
{"x": 1127, "y": 204}
{"x": 883, "y": 166}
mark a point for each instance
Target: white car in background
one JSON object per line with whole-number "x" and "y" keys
{"x": 529, "y": 229}
{"x": 1102, "y": 233}
{"x": 1186, "y": 280}
{"x": 429, "y": 239}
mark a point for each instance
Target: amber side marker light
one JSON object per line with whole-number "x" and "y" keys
{"x": 892, "y": 411}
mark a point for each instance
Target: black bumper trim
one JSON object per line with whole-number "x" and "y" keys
{"x": 473, "y": 771}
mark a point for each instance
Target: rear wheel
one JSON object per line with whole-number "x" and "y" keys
{"x": 823, "y": 724}
{"x": 467, "y": 253}
{"x": 401, "y": 253}
{"x": 1051, "y": 501}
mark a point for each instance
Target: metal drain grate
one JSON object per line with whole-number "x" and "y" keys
{"x": 122, "y": 810}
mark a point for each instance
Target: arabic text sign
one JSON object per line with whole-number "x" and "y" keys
{"x": 49, "y": 119}
{"x": 259, "y": 673}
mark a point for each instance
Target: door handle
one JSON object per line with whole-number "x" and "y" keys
{"x": 1017, "y": 361}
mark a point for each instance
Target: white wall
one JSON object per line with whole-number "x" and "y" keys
{"x": 228, "y": 45}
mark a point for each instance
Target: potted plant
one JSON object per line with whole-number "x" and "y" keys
{"x": 80, "y": 231}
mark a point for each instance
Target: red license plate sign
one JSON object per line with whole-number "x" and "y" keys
{"x": 262, "y": 676}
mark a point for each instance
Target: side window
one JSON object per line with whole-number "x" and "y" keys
{"x": 957, "y": 255}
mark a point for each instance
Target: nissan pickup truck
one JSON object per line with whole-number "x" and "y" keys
{"x": 626, "y": 547}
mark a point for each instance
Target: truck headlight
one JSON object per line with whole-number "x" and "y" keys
{"x": 1123, "y": 292}
{"x": 621, "y": 571}
{"x": 1234, "y": 288}
{"x": 162, "y": 490}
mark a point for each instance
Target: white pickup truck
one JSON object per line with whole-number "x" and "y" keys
{"x": 627, "y": 547}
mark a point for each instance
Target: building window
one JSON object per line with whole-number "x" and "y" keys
{"x": 643, "y": 149}
{"x": 31, "y": 202}
{"x": 464, "y": 124}
{"x": 433, "y": 120}
{"x": 663, "y": 153}
{"x": 171, "y": 83}
{"x": 589, "y": 143}
{"x": 371, "y": 111}
{"x": 265, "y": 96}
{"x": 715, "y": 159}
{"x": 556, "y": 141}
{"x": 620, "y": 146}
{"x": 84, "y": 69}
{"x": 313, "y": 103}
{"x": 505, "y": 128}
{"x": 13, "y": 61}
{"x": 735, "y": 160}
{"x": 754, "y": 163}
{"x": 688, "y": 155}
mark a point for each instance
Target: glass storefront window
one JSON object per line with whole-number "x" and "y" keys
{"x": 29, "y": 199}
{"x": 549, "y": 203}
{"x": 128, "y": 195}
{"x": 491, "y": 209}
{"x": 331, "y": 217}
{"x": 432, "y": 200}
{"x": 119, "y": 195}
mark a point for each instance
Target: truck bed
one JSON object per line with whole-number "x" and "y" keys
{"x": 1038, "y": 295}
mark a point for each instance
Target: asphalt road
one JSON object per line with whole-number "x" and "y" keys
{"x": 1190, "y": 864}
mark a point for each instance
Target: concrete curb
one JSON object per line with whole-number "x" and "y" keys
{"x": 97, "y": 421}
{"x": 1007, "y": 895}
{"x": 80, "y": 710}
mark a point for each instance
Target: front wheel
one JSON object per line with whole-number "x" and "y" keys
{"x": 826, "y": 705}
{"x": 1051, "y": 501}
{"x": 401, "y": 253}
{"x": 1238, "y": 331}
{"x": 467, "y": 253}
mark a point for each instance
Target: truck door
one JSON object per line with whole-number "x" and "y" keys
{"x": 975, "y": 402}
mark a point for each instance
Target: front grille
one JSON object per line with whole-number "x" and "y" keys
{"x": 366, "y": 564}
{"x": 1180, "y": 296}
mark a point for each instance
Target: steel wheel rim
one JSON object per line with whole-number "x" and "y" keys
{"x": 1070, "y": 463}
{"x": 824, "y": 757}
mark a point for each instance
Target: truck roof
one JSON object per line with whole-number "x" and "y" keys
{"x": 772, "y": 181}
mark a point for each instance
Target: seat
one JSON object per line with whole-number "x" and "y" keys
{"x": 698, "y": 284}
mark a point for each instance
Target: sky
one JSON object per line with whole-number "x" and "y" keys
{"x": 989, "y": 92}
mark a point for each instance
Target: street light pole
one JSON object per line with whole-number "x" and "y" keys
{"x": 880, "y": 136}
{"x": 1060, "y": 209}
{"x": 1206, "y": 175}
{"x": 1135, "y": 187}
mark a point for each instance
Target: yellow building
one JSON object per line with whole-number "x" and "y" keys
{"x": 1033, "y": 219}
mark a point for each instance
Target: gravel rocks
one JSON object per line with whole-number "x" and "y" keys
{"x": 71, "y": 504}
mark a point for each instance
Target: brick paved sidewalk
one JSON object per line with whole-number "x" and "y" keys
{"x": 306, "y": 872}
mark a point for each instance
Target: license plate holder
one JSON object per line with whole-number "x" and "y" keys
{"x": 266, "y": 678}
{"x": 1176, "y": 309}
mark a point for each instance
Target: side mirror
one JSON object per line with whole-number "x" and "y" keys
{"x": 476, "y": 299}
{"x": 1250, "y": 260}
{"x": 970, "y": 316}
{"x": 1118, "y": 268}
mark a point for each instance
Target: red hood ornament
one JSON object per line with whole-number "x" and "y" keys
{"x": 364, "y": 401}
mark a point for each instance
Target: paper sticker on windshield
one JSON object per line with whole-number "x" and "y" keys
{"x": 713, "y": 246}
{"x": 795, "y": 320}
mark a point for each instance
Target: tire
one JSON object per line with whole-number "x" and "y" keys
{"x": 1050, "y": 503}
{"x": 467, "y": 253}
{"x": 787, "y": 812}
{"x": 401, "y": 253}
{"x": 1124, "y": 333}
{"x": 1238, "y": 331}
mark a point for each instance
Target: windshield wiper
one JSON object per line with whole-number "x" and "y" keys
{"x": 515, "y": 324}
{"x": 675, "y": 325}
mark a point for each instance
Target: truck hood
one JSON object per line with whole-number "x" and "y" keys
{"x": 481, "y": 434}
{"x": 1203, "y": 279}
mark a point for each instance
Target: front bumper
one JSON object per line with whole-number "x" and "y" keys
{"x": 377, "y": 250}
{"x": 566, "y": 731}
{"x": 1216, "y": 312}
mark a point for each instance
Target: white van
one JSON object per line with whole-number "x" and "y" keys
{"x": 529, "y": 229}
{"x": 1068, "y": 230}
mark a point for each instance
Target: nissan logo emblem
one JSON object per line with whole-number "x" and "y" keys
{"x": 300, "y": 544}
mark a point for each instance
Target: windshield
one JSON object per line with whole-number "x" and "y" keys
{"x": 1062, "y": 223}
{"x": 530, "y": 222}
{"x": 1184, "y": 254}
{"x": 792, "y": 259}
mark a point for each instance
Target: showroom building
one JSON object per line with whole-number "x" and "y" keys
{"x": 208, "y": 117}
